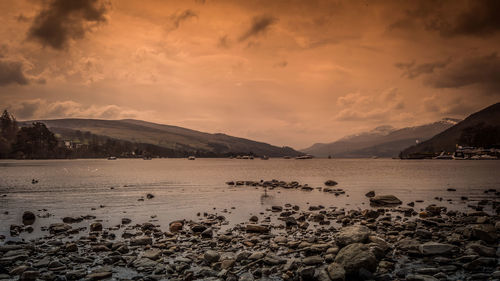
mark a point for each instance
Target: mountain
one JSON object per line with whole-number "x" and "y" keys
{"x": 384, "y": 141}
{"x": 481, "y": 129}
{"x": 166, "y": 136}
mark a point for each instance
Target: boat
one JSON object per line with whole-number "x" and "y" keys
{"x": 444, "y": 156}
{"x": 191, "y": 158}
{"x": 304, "y": 157}
{"x": 112, "y": 158}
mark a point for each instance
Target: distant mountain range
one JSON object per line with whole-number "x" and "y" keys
{"x": 166, "y": 136}
{"x": 481, "y": 129}
{"x": 384, "y": 141}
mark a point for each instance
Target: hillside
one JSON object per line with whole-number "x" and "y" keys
{"x": 166, "y": 136}
{"x": 479, "y": 129}
{"x": 383, "y": 141}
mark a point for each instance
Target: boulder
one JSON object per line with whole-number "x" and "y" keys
{"x": 336, "y": 272}
{"x": 176, "y": 226}
{"x": 352, "y": 234}
{"x": 370, "y": 194}
{"x": 484, "y": 232}
{"x": 330, "y": 183}
{"x": 385, "y": 200}
{"x": 211, "y": 256}
{"x": 141, "y": 241}
{"x": 96, "y": 226}
{"x": 356, "y": 256}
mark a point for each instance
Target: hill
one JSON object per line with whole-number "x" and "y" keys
{"x": 384, "y": 141}
{"x": 165, "y": 136}
{"x": 481, "y": 129}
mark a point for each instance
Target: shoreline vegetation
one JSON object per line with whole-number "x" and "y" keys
{"x": 386, "y": 241}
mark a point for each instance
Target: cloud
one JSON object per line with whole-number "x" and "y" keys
{"x": 482, "y": 71}
{"x": 178, "y": 18}
{"x": 387, "y": 106}
{"x": 453, "y": 18}
{"x": 412, "y": 70}
{"x": 260, "y": 25}
{"x": 11, "y": 72}
{"x": 43, "y": 109}
{"x": 61, "y": 21}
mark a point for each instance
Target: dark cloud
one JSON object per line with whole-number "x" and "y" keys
{"x": 412, "y": 70}
{"x": 61, "y": 20}
{"x": 11, "y": 72}
{"x": 259, "y": 26}
{"x": 178, "y": 18}
{"x": 453, "y": 18}
{"x": 481, "y": 71}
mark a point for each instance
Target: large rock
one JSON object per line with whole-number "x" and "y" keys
{"x": 356, "y": 256}
{"x": 336, "y": 272}
{"x": 141, "y": 241}
{"x": 385, "y": 200}
{"x": 211, "y": 256}
{"x": 96, "y": 226}
{"x": 352, "y": 234}
{"x": 28, "y": 218}
{"x": 484, "y": 232}
{"x": 433, "y": 248}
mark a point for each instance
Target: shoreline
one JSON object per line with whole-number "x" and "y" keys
{"x": 284, "y": 242}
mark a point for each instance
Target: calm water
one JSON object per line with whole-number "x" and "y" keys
{"x": 183, "y": 188}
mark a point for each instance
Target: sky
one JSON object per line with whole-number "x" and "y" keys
{"x": 284, "y": 72}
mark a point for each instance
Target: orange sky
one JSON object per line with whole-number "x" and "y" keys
{"x": 284, "y": 72}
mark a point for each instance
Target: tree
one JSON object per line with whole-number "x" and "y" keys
{"x": 8, "y": 131}
{"x": 35, "y": 141}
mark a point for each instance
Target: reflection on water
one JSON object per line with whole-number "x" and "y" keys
{"x": 183, "y": 188}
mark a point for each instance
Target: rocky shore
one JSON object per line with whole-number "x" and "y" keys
{"x": 386, "y": 241}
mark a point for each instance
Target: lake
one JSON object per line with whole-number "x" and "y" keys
{"x": 110, "y": 190}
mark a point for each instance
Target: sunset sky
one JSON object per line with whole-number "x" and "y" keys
{"x": 284, "y": 72}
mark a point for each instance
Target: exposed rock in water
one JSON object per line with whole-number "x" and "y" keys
{"x": 330, "y": 183}
{"x": 385, "y": 200}
{"x": 96, "y": 226}
{"x": 28, "y": 218}
{"x": 370, "y": 194}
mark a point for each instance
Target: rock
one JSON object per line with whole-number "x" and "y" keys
{"x": 141, "y": 241}
{"x": 28, "y": 218}
{"x": 355, "y": 256}
{"x": 256, "y": 256}
{"x": 307, "y": 273}
{"x": 312, "y": 260}
{"x": 276, "y": 208}
{"x": 96, "y": 226}
{"x": 433, "y": 248}
{"x": 418, "y": 277}
{"x": 254, "y": 228}
{"x": 198, "y": 228}
{"x": 336, "y": 272}
{"x": 247, "y": 276}
{"x": 211, "y": 256}
{"x": 144, "y": 263}
{"x": 482, "y": 250}
{"x": 152, "y": 254}
{"x": 484, "y": 232}
{"x": 76, "y": 274}
{"x": 126, "y": 220}
{"x": 370, "y": 194}
{"x": 150, "y": 196}
{"x": 208, "y": 233}
{"x": 72, "y": 220}
{"x": 176, "y": 226}
{"x": 254, "y": 219}
{"x": 352, "y": 234}
{"x": 71, "y": 247}
{"x": 99, "y": 275}
{"x": 29, "y": 275}
{"x": 330, "y": 183}
{"x": 385, "y": 200}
